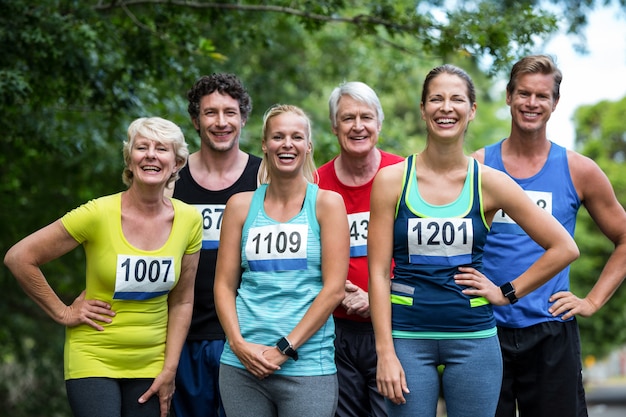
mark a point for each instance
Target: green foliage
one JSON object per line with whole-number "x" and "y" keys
{"x": 600, "y": 127}
{"x": 74, "y": 74}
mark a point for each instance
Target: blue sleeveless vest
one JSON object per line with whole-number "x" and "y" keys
{"x": 509, "y": 251}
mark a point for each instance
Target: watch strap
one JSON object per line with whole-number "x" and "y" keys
{"x": 509, "y": 292}
{"x": 285, "y": 346}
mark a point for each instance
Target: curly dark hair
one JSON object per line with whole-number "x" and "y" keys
{"x": 224, "y": 84}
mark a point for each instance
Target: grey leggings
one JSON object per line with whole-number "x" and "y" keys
{"x": 106, "y": 397}
{"x": 245, "y": 395}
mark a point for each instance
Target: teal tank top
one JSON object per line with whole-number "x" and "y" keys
{"x": 282, "y": 276}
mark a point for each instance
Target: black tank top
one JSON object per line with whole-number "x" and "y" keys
{"x": 204, "y": 322}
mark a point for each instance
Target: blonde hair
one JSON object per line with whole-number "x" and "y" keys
{"x": 160, "y": 130}
{"x": 309, "y": 169}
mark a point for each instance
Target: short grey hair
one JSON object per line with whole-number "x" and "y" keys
{"x": 360, "y": 92}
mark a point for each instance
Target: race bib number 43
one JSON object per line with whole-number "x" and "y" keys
{"x": 434, "y": 241}
{"x": 280, "y": 247}
{"x": 143, "y": 277}
{"x": 358, "y": 233}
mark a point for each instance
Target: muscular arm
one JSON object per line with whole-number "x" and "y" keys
{"x": 598, "y": 197}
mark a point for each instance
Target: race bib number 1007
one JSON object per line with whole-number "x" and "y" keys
{"x": 143, "y": 277}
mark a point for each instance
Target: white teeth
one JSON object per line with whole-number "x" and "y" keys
{"x": 531, "y": 114}
{"x": 445, "y": 121}
{"x": 286, "y": 156}
{"x": 151, "y": 168}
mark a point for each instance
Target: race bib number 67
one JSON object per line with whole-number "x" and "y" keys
{"x": 143, "y": 277}
{"x": 211, "y": 224}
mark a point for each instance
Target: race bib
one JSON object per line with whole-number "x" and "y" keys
{"x": 280, "y": 247}
{"x": 358, "y": 233}
{"x": 440, "y": 241}
{"x": 502, "y": 223}
{"x": 143, "y": 277}
{"x": 211, "y": 224}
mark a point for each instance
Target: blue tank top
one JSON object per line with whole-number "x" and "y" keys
{"x": 509, "y": 251}
{"x": 430, "y": 243}
{"x": 282, "y": 276}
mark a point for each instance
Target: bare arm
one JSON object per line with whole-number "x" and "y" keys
{"x": 598, "y": 196}
{"x": 335, "y": 253}
{"x": 501, "y": 192}
{"x": 335, "y": 248}
{"x": 390, "y": 376}
{"x": 24, "y": 260}
{"x": 180, "y": 309}
{"x": 227, "y": 275}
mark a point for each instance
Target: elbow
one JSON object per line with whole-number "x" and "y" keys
{"x": 10, "y": 259}
{"x": 564, "y": 250}
{"x": 336, "y": 296}
{"x": 573, "y": 251}
{"x": 570, "y": 253}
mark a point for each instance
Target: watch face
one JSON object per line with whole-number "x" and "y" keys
{"x": 283, "y": 345}
{"x": 507, "y": 289}
{"x": 509, "y": 292}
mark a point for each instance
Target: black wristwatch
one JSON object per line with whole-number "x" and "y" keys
{"x": 509, "y": 292}
{"x": 286, "y": 348}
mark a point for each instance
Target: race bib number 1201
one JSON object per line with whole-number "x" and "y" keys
{"x": 440, "y": 241}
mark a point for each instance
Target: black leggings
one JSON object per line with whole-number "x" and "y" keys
{"x": 106, "y": 397}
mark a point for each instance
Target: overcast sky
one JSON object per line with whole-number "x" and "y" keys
{"x": 588, "y": 79}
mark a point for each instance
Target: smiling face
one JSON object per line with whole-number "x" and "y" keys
{"x": 151, "y": 162}
{"x": 532, "y": 102}
{"x": 219, "y": 122}
{"x": 447, "y": 108}
{"x": 287, "y": 143}
{"x": 357, "y": 126}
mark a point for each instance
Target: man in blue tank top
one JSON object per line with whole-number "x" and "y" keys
{"x": 219, "y": 106}
{"x": 539, "y": 335}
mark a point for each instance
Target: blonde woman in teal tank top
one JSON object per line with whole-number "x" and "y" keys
{"x": 291, "y": 240}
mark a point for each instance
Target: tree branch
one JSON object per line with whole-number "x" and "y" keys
{"x": 358, "y": 20}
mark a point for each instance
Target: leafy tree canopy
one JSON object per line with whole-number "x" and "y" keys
{"x": 74, "y": 74}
